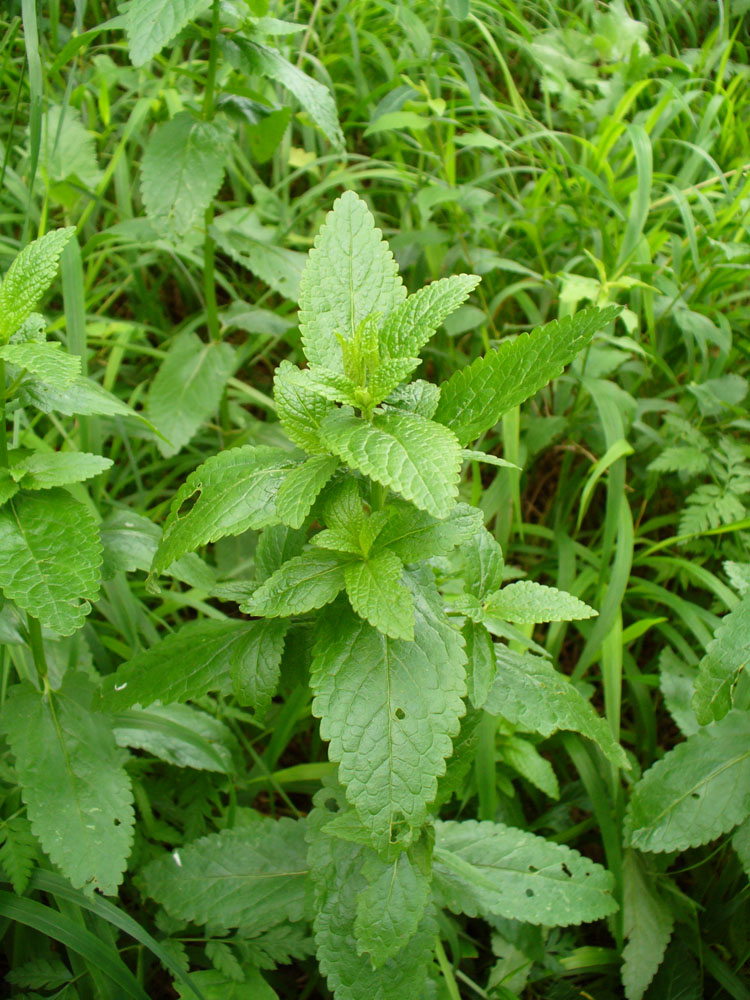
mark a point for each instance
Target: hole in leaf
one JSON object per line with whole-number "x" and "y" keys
{"x": 188, "y": 503}
{"x": 400, "y": 713}
{"x": 529, "y": 893}
{"x": 695, "y": 795}
{"x": 533, "y": 868}
{"x": 567, "y": 870}
{"x": 332, "y": 805}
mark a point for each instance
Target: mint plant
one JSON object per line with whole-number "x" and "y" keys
{"x": 365, "y": 545}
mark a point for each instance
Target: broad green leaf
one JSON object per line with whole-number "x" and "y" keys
{"x": 276, "y": 545}
{"x": 201, "y": 656}
{"x": 129, "y": 540}
{"x": 48, "y": 361}
{"x": 481, "y": 665}
{"x": 331, "y": 385}
{"x": 76, "y": 790}
{"x": 265, "y": 136}
{"x": 336, "y": 870}
{"x": 150, "y": 24}
{"x": 302, "y": 584}
{"x": 527, "y": 602}
{"x": 350, "y": 275}
{"x": 301, "y": 487}
{"x": 251, "y": 877}
{"x": 300, "y": 409}
{"x": 255, "y": 676}
{"x": 487, "y": 869}
{"x": 82, "y": 396}
{"x": 474, "y": 398}
{"x": 178, "y": 734}
{"x": 647, "y": 923}
{"x": 419, "y": 459}
{"x": 411, "y": 324}
{"x": 215, "y": 985}
{"x": 417, "y": 397}
{"x": 58, "y": 468}
{"x": 523, "y": 757}
{"x": 414, "y": 535}
{"x": 676, "y": 680}
{"x": 531, "y": 694}
{"x": 313, "y": 96}
{"x": 183, "y": 166}
{"x": 28, "y": 278}
{"x": 187, "y": 389}
{"x": 376, "y": 593}
{"x": 8, "y": 486}
{"x": 725, "y": 658}
{"x": 50, "y": 556}
{"x": 68, "y": 149}
{"x": 389, "y": 709}
{"x": 391, "y": 908}
{"x": 278, "y": 266}
{"x": 231, "y": 492}
{"x": 482, "y": 562}
{"x": 696, "y": 792}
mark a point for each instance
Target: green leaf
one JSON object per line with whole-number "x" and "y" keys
{"x": 28, "y": 278}
{"x": 647, "y": 923}
{"x": 231, "y": 492}
{"x": 178, "y": 734}
{"x": 480, "y": 662}
{"x": 532, "y": 695}
{"x": 50, "y": 556}
{"x": 417, "y": 397}
{"x": 331, "y": 385}
{"x": 416, "y": 457}
{"x": 58, "y": 468}
{"x": 725, "y": 658}
{"x": 302, "y": 584}
{"x": 474, "y": 398}
{"x": 19, "y": 852}
{"x": 740, "y": 842}
{"x": 183, "y": 166}
{"x": 389, "y": 709}
{"x": 129, "y": 540}
{"x": 696, "y": 792}
{"x": 280, "y": 268}
{"x": 187, "y": 389}
{"x": 300, "y": 409}
{"x": 82, "y": 396}
{"x": 215, "y": 985}
{"x": 336, "y": 870}
{"x": 251, "y": 877}
{"x": 482, "y": 563}
{"x": 376, "y": 593}
{"x": 265, "y": 137}
{"x": 47, "y": 360}
{"x": 350, "y": 275}
{"x": 301, "y": 487}
{"x": 411, "y": 324}
{"x": 255, "y": 677}
{"x": 150, "y": 24}
{"x": 40, "y": 973}
{"x": 487, "y": 869}
{"x": 386, "y": 377}
{"x": 68, "y": 149}
{"x": 523, "y": 757}
{"x": 414, "y": 535}
{"x": 391, "y": 908}
{"x": 527, "y": 602}
{"x": 77, "y": 793}
{"x": 313, "y": 96}
{"x": 8, "y": 486}
{"x": 201, "y": 656}
{"x": 276, "y": 545}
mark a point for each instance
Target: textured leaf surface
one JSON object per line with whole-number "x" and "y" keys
{"x": 376, "y": 593}
{"x": 81, "y": 396}
{"x": 150, "y": 24}
{"x": 419, "y": 459}
{"x": 531, "y": 694}
{"x": 696, "y": 792}
{"x": 411, "y": 324}
{"x": 255, "y": 676}
{"x": 59, "y": 468}
{"x": 28, "y": 278}
{"x": 178, "y": 734}
{"x": 474, "y": 399}
{"x": 130, "y": 541}
{"x": 76, "y": 790}
{"x": 483, "y": 564}
{"x": 336, "y": 869}
{"x": 414, "y": 535}
{"x": 350, "y": 274}
{"x": 647, "y": 923}
{"x": 481, "y": 665}
{"x": 300, "y": 409}
{"x": 389, "y": 708}
{"x": 231, "y": 492}
{"x": 301, "y": 487}
{"x": 19, "y": 852}
{"x": 725, "y": 658}
{"x": 527, "y": 602}
{"x": 50, "y": 554}
{"x": 183, "y": 165}
{"x": 487, "y": 869}
{"x": 251, "y": 877}
{"x": 187, "y": 389}
{"x": 391, "y": 908}
{"x": 201, "y": 656}
{"x": 216, "y": 985}
{"x": 418, "y": 396}
{"x": 306, "y": 582}
{"x": 47, "y": 360}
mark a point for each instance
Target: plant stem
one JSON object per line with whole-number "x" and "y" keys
{"x": 447, "y": 969}
{"x": 37, "y": 645}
